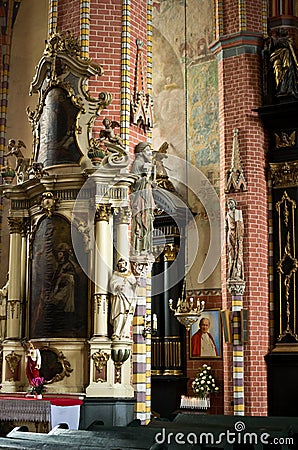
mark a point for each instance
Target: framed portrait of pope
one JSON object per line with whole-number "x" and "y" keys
{"x": 205, "y": 336}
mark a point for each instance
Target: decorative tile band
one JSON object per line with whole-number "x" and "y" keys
{"x": 84, "y": 28}
{"x": 149, "y": 57}
{"x": 125, "y": 72}
{"x": 53, "y": 17}
{"x": 238, "y": 379}
{"x": 242, "y": 15}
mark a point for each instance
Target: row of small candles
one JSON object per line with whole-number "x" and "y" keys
{"x": 194, "y": 402}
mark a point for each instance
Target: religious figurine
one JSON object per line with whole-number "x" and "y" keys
{"x": 33, "y": 364}
{"x": 160, "y": 173}
{"x": 14, "y": 149}
{"x": 235, "y": 231}
{"x": 142, "y": 202}
{"x": 284, "y": 63}
{"x": 109, "y": 133}
{"x": 123, "y": 285}
{"x": 3, "y": 303}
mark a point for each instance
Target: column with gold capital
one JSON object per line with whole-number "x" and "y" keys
{"x": 13, "y": 328}
{"x": 103, "y": 265}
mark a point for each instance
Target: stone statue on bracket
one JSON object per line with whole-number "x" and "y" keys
{"x": 235, "y": 231}
{"x": 142, "y": 202}
{"x": 123, "y": 287}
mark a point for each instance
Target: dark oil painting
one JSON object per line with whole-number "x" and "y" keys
{"x": 59, "y": 287}
{"x": 57, "y": 130}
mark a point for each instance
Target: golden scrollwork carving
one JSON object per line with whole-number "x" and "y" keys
{"x": 170, "y": 252}
{"x": 103, "y": 212}
{"x": 100, "y": 359}
{"x": 287, "y": 266}
{"x": 284, "y": 174}
{"x": 284, "y": 139}
{"x": 48, "y": 203}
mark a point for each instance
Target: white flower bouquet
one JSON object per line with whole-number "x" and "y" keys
{"x": 204, "y": 383}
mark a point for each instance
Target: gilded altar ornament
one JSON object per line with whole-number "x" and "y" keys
{"x": 48, "y": 203}
{"x": 103, "y": 212}
{"x": 287, "y": 266}
{"x": 283, "y": 61}
{"x": 100, "y": 361}
{"x": 284, "y": 174}
{"x": 284, "y": 139}
{"x": 13, "y": 360}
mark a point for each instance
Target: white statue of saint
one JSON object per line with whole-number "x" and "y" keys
{"x": 123, "y": 286}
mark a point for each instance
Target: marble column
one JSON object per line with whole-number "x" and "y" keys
{"x": 13, "y": 372}
{"x": 103, "y": 267}
{"x": 13, "y": 328}
{"x": 122, "y": 217}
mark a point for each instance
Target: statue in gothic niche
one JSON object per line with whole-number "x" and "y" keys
{"x": 235, "y": 231}
{"x": 59, "y": 287}
{"x": 123, "y": 285}
{"x": 142, "y": 202}
{"x": 282, "y": 66}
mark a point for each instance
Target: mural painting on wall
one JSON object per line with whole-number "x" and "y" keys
{"x": 57, "y": 130}
{"x": 168, "y": 97}
{"x": 182, "y": 60}
{"x": 58, "y": 306}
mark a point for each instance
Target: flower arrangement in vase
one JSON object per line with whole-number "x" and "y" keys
{"x": 38, "y": 387}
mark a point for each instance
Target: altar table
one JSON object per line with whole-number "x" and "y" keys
{"x": 47, "y": 411}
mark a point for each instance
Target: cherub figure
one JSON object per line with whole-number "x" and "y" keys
{"x": 109, "y": 133}
{"x": 14, "y": 149}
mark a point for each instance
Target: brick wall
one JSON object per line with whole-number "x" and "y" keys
{"x": 240, "y": 93}
{"x": 105, "y": 49}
